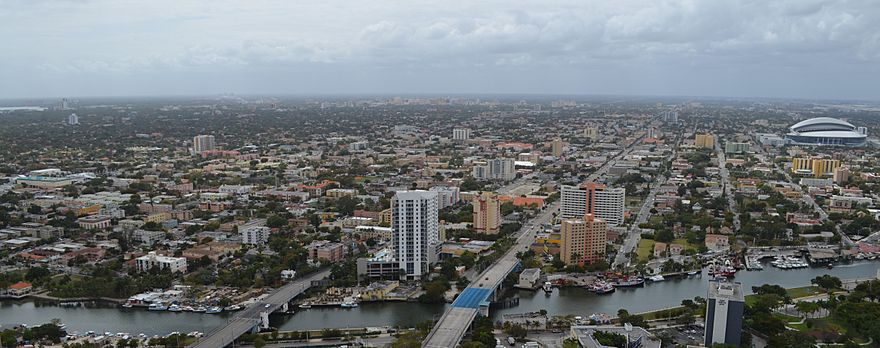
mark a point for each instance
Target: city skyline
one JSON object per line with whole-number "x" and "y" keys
{"x": 800, "y": 49}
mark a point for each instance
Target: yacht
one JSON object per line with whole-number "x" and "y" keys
{"x": 547, "y": 287}
{"x": 604, "y": 289}
{"x": 628, "y": 282}
{"x": 349, "y": 304}
{"x": 174, "y": 308}
{"x": 200, "y": 309}
{"x": 232, "y": 308}
{"x": 213, "y": 310}
{"x": 157, "y": 307}
{"x": 656, "y": 278}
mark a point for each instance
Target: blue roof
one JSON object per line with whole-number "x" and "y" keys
{"x": 471, "y": 298}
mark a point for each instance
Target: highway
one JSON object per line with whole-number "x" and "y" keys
{"x": 246, "y": 319}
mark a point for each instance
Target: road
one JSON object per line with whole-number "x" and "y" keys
{"x": 633, "y": 235}
{"x": 725, "y": 182}
{"x": 246, "y": 319}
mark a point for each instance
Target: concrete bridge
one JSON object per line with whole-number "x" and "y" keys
{"x": 256, "y": 316}
{"x": 475, "y": 299}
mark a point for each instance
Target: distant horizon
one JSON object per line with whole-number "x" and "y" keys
{"x": 547, "y": 96}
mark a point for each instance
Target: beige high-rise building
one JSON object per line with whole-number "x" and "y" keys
{"x": 841, "y": 175}
{"x": 592, "y": 198}
{"x": 202, "y": 143}
{"x": 591, "y": 133}
{"x": 487, "y": 213}
{"x": 704, "y": 141}
{"x": 556, "y": 147}
{"x": 583, "y": 240}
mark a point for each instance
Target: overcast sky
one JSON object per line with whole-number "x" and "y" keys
{"x": 761, "y": 48}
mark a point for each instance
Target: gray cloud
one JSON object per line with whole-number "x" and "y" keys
{"x": 800, "y": 48}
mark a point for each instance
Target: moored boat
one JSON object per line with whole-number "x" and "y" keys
{"x": 628, "y": 282}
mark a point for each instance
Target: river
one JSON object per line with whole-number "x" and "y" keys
{"x": 104, "y": 317}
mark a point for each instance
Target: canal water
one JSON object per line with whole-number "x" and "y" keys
{"x": 575, "y": 301}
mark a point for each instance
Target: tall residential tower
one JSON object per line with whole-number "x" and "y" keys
{"x": 415, "y": 231}
{"x": 487, "y": 213}
{"x": 596, "y": 199}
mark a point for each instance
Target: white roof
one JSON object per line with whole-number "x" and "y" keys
{"x": 833, "y": 122}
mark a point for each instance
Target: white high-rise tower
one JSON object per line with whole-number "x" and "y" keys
{"x": 72, "y": 120}
{"x": 416, "y": 231}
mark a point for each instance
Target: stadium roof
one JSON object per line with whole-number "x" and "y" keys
{"x": 822, "y": 124}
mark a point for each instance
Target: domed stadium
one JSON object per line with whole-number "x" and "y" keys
{"x": 826, "y": 131}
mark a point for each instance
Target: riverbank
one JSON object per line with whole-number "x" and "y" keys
{"x": 44, "y": 296}
{"x": 653, "y": 296}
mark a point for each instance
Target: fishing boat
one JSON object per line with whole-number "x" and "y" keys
{"x": 213, "y": 310}
{"x": 157, "y": 307}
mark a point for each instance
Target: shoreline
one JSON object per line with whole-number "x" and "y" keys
{"x": 49, "y": 298}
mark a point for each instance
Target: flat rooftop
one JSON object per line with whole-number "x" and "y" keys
{"x": 726, "y": 290}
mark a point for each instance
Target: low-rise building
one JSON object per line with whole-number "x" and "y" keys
{"x": 94, "y": 222}
{"x": 19, "y": 290}
{"x": 717, "y": 242}
{"x": 635, "y": 336}
{"x": 528, "y": 278}
{"x": 147, "y": 262}
{"x": 254, "y": 234}
{"x": 326, "y": 250}
{"x": 148, "y": 237}
{"x": 377, "y": 291}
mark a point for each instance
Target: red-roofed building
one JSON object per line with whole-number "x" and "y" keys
{"x": 19, "y": 290}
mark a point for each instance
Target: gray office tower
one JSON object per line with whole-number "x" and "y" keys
{"x": 724, "y": 313}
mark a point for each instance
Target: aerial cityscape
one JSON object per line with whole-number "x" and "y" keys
{"x": 222, "y": 214}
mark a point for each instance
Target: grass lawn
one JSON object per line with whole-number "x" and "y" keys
{"x": 682, "y": 241}
{"x": 645, "y": 249}
{"x": 794, "y": 293}
{"x": 804, "y": 291}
